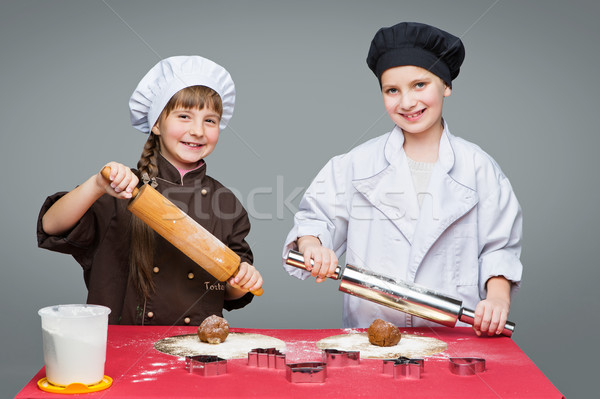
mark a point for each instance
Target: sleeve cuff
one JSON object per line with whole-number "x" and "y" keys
{"x": 238, "y": 303}
{"x": 500, "y": 263}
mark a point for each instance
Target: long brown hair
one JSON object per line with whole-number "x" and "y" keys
{"x": 141, "y": 257}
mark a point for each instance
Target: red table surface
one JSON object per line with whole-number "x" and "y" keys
{"x": 139, "y": 370}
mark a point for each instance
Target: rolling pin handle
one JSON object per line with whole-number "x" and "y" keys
{"x": 105, "y": 172}
{"x": 468, "y": 316}
{"x": 296, "y": 259}
{"x": 257, "y": 292}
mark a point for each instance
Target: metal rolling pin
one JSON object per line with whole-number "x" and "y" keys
{"x": 409, "y": 298}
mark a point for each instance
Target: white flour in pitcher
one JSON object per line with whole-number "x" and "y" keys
{"x": 72, "y": 359}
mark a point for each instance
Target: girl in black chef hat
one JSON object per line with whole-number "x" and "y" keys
{"x": 417, "y": 204}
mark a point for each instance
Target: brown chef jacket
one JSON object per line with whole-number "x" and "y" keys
{"x": 185, "y": 293}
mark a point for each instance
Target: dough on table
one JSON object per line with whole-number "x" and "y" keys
{"x": 383, "y": 333}
{"x": 214, "y": 330}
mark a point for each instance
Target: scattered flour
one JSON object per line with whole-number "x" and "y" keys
{"x": 147, "y": 375}
{"x": 236, "y": 346}
{"x": 412, "y": 346}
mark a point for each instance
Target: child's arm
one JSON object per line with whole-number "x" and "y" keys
{"x": 64, "y": 214}
{"x": 500, "y": 230}
{"x": 247, "y": 279}
{"x": 491, "y": 313}
{"x": 321, "y": 223}
{"x": 324, "y": 259}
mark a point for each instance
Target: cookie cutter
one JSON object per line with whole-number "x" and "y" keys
{"x": 338, "y": 358}
{"x": 404, "y": 368}
{"x": 206, "y": 365}
{"x": 266, "y": 357}
{"x": 311, "y": 372}
{"x": 466, "y": 365}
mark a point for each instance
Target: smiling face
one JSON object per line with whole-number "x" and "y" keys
{"x": 413, "y": 98}
{"x": 187, "y": 135}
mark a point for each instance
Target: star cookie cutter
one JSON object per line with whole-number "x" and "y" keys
{"x": 311, "y": 372}
{"x": 205, "y": 365}
{"x": 338, "y": 358}
{"x": 404, "y": 368}
{"x": 466, "y": 365}
{"x": 266, "y": 357}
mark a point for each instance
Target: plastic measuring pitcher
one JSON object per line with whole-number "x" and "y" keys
{"x": 74, "y": 342}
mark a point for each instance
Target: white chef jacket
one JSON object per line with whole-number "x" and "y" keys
{"x": 467, "y": 230}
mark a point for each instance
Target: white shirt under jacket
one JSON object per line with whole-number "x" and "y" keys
{"x": 468, "y": 229}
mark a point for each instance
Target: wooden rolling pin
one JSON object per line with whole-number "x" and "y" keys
{"x": 183, "y": 232}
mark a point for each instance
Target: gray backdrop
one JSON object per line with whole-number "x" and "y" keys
{"x": 528, "y": 94}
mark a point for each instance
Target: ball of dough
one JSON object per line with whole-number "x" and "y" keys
{"x": 214, "y": 330}
{"x": 383, "y": 333}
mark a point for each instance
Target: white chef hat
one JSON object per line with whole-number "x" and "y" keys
{"x": 171, "y": 75}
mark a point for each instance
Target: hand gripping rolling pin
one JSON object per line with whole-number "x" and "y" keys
{"x": 183, "y": 232}
{"x": 408, "y": 298}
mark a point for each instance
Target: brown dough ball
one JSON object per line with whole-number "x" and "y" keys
{"x": 214, "y": 330}
{"x": 383, "y": 333}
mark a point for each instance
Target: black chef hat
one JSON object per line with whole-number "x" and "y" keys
{"x": 413, "y": 43}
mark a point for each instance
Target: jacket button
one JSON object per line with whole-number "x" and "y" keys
{"x": 191, "y": 276}
{"x": 150, "y": 315}
{"x": 204, "y": 191}
{"x": 156, "y": 269}
{"x": 187, "y": 320}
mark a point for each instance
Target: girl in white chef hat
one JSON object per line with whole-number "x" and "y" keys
{"x": 182, "y": 103}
